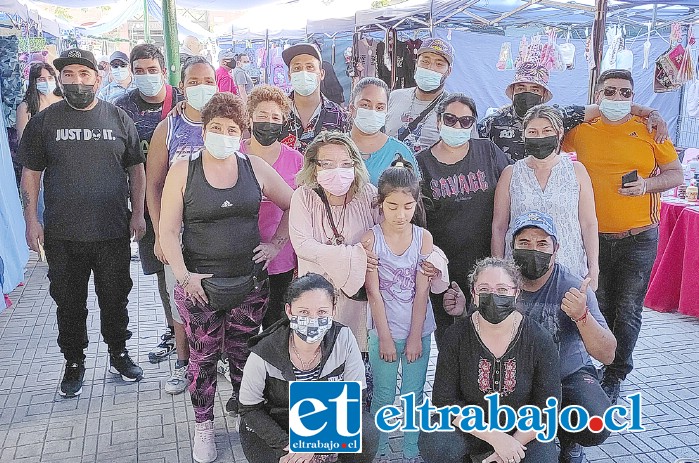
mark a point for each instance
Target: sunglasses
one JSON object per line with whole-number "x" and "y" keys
{"x": 624, "y": 91}
{"x": 450, "y": 120}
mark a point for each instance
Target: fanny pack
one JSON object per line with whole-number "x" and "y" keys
{"x": 227, "y": 293}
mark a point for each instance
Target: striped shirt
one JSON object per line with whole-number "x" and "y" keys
{"x": 309, "y": 375}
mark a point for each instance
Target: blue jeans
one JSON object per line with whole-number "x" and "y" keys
{"x": 386, "y": 378}
{"x": 625, "y": 266}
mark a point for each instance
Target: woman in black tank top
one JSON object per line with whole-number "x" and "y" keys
{"x": 217, "y": 198}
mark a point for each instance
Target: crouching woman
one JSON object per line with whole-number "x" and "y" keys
{"x": 306, "y": 345}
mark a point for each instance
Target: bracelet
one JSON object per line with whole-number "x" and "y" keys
{"x": 582, "y": 319}
{"x": 185, "y": 280}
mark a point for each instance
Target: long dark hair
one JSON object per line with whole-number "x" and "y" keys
{"x": 31, "y": 97}
{"x": 309, "y": 282}
{"x": 401, "y": 176}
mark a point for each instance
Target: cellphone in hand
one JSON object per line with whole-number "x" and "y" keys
{"x": 629, "y": 178}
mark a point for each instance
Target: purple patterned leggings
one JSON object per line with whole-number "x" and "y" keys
{"x": 209, "y": 333}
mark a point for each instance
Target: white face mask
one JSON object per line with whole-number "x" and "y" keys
{"x": 427, "y": 79}
{"x": 304, "y": 82}
{"x": 46, "y": 87}
{"x": 221, "y": 146}
{"x": 199, "y": 95}
{"x": 454, "y": 137}
{"x": 369, "y": 121}
{"x": 120, "y": 74}
{"x": 149, "y": 84}
{"x": 615, "y": 110}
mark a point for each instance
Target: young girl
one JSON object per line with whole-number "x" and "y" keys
{"x": 401, "y": 320}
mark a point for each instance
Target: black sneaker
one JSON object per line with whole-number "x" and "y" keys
{"x": 232, "y": 404}
{"x": 572, "y": 453}
{"x": 121, "y": 364}
{"x": 72, "y": 384}
{"x": 611, "y": 385}
{"x": 164, "y": 349}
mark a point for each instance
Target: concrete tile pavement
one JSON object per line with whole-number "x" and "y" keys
{"x": 114, "y": 421}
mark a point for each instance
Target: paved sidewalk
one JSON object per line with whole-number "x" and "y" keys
{"x": 114, "y": 421}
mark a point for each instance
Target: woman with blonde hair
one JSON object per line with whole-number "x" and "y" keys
{"x": 330, "y": 211}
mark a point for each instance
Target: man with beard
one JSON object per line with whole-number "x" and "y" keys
{"x": 90, "y": 155}
{"x": 411, "y": 116}
{"x": 530, "y": 88}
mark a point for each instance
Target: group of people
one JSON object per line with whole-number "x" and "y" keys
{"x": 310, "y": 243}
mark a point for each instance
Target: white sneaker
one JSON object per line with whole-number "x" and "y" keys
{"x": 178, "y": 382}
{"x": 223, "y": 368}
{"x": 204, "y": 450}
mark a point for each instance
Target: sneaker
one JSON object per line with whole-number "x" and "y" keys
{"x": 179, "y": 381}
{"x": 223, "y": 368}
{"x": 204, "y": 450}
{"x": 611, "y": 385}
{"x": 572, "y": 453}
{"x": 165, "y": 348}
{"x": 121, "y": 364}
{"x": 232, "y": 404}
{"x": 72, "y": 384}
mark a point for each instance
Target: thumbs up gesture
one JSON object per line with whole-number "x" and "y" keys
{"x": 575, "y": 301}
{"x": 454, "y": 300}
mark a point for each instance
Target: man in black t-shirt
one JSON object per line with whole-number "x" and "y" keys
{"x": 89, "y": 153}
{"x": 147, "y": 105}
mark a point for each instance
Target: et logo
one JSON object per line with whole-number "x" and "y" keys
{"x": 325, "y": 417}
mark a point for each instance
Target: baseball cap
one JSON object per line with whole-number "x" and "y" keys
{"x": 536, "y": 219}
{"x": 439, "y": 46}
{"x": 75, "y": 56}
{"x": 226, "y": 53}
{"x": 119, "y": 56}
{"x": 301, "y": 49}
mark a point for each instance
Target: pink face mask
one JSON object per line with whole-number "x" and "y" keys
{"x": 336, "y": 181}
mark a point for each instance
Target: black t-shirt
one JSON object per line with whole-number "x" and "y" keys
{"x": 526, "y": 374}
{"x": 459, "y": 200}
{"x": 84, "y": 156}
{"x": 146, "y": 116}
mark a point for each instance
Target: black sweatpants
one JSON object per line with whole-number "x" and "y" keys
{"x": 70, "y": 265}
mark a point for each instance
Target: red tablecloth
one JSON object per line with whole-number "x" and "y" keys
{"x": 674, "y": 281}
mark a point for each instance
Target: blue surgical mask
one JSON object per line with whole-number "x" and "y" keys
{"x": 369, "y": 121}
{"x": 304, "y": 82}
{"x": 615, "y": 110}
{"x": 199, "y": 95}
{"x": 149, "y": 84}
{"x": 245, "y": 66}
{"x": 120, "y": 73}
{"x": 454, "y": 137}
{"x": 46, "y": 87}
{"x": 221, "y": 146}
{"x": 427, "y": 80}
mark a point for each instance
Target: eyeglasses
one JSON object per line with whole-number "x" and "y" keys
{"x": 500, "y": 290}
{"x": 118, "y": 65}
{"x": 625, "y": 92}
{"x": 450, "y": 120}
{"x": 325, "y": 164}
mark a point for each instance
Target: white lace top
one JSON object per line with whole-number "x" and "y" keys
{"x": 560, "y": 200}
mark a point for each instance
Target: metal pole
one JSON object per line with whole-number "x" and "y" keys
{"x": 172, "y": 44}
{"x": 146, "y": 25}
{"x": 598, "y": 34}
{"x": 267, "y": 60}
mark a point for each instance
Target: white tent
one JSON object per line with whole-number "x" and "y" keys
{"x": 27, "y": 10}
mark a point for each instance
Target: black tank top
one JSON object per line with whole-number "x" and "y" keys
{"x": 220, "y": 224}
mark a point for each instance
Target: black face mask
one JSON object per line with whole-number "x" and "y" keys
{"x": 493, "y": 308}
{"x": 229, "y": 64}
{"x": 540, "y": 148}
{"x": 79, "y": 96}
{"x": 524, "y": 101}
{"x": 532, "y": 263}
{"x": 266, "y": 133}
